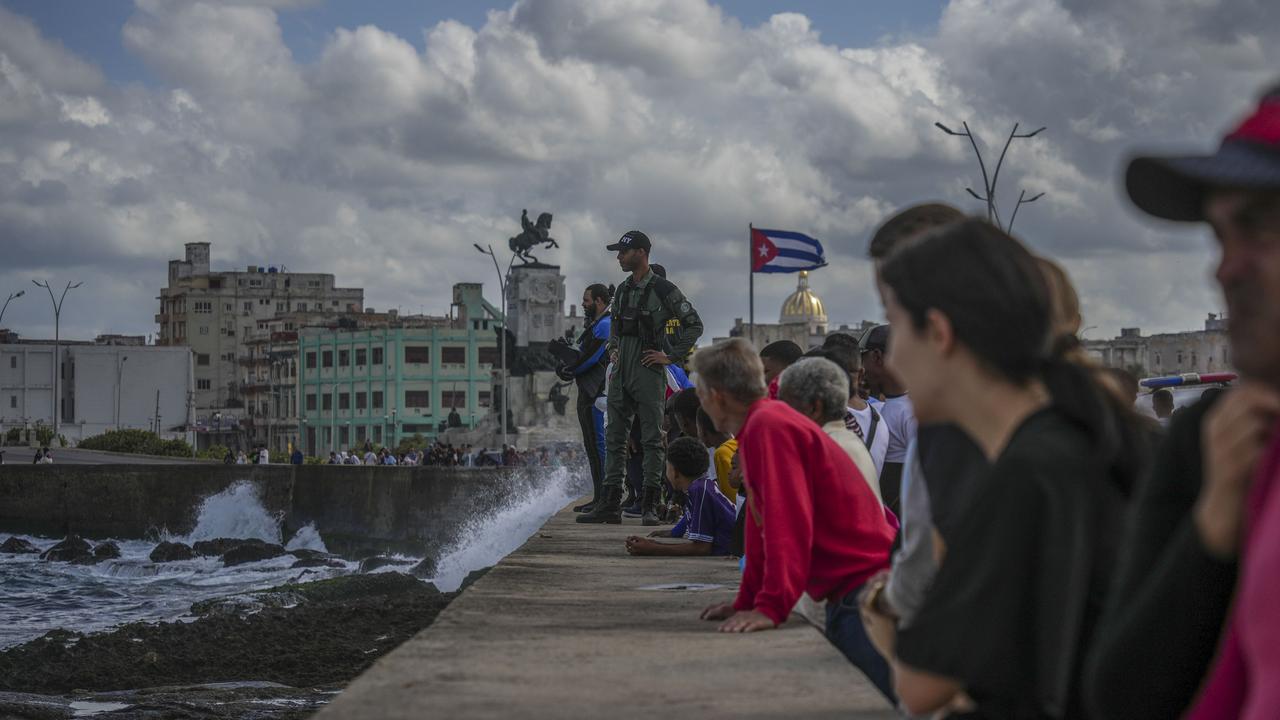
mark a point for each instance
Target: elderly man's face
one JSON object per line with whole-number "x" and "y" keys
{"x": 1247, "y": 225}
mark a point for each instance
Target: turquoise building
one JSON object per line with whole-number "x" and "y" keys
{"x": 397, "y": 379}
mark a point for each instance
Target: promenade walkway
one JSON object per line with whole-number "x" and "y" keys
{"x": 568, "y": 626}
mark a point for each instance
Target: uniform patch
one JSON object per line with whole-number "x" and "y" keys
{"x": 685, "y": 307}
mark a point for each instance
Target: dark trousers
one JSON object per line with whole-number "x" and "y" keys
{"x": 846, "y": 632}
{"x": 591, "y": 421}
{"x": 891, "y": 487}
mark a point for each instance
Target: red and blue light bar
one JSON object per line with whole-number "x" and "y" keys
{"x": 1188, "y": 379}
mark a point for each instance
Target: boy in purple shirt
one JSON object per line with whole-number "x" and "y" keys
{"x": 707, "y": 522}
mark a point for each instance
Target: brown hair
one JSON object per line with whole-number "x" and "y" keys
{"x": 910, "y": 223}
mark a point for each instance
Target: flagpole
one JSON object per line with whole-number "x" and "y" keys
{"x": 751, "y": 284}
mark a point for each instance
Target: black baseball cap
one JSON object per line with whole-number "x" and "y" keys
{"x": 633, "y": 240}
{"x": 877, "y": 338}
{"x": 1174, "y": 187}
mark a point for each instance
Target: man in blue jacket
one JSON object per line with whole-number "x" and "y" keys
{"x": 588, "y": 368}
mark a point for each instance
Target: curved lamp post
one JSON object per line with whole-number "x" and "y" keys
{"x": 502, "y": 345}
{"x": 57, "y": 346}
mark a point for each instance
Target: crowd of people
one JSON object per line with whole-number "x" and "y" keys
{"x": 971, "y": 510}
{"x": 444, "y": 454}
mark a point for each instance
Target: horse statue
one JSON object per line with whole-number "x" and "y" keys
{"x": 534, "y": 234}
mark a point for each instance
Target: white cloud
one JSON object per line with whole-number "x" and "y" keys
{"x": 383, "y": 164}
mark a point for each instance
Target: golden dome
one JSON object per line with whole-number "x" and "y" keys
{"x": 803, "y": 305}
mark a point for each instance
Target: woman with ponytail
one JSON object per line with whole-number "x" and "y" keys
{"x": 1023, "y": 575}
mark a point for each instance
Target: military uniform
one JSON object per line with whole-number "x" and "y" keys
{"x": 642, "y": 319}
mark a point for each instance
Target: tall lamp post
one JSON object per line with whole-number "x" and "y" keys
{"x": 12, "y": 296}
{"x": 502, "y": 344}
{"x": 57, "y": 345}
{"x": 989, "y": 182}
{"x": 122, "y": 359}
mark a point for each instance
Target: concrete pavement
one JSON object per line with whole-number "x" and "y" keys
{"x": 570, "y": 626}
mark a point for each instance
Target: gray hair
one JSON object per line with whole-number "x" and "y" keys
{"x": 732, "y": 367}
{"x": 815, "y": 380}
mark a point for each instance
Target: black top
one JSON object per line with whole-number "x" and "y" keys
{"x": 951, "y": 463}
{"x": 1018, "y": 595}
{"x": 1170, "y": 599}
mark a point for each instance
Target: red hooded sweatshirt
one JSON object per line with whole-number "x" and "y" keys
{"x": 813, "y": 524}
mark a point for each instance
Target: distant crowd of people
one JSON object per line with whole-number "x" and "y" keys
{"x": 967, "y": 505}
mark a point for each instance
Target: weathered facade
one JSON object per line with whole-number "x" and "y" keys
{"x": 1195, "y": 351}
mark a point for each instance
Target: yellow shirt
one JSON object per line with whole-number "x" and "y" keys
{"x": 724, "y": 462}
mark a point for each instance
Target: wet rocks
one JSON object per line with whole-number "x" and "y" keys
{"x": 251, "y": 552}
{"x": 18, "y": 546}
{"x": 305, "y": 554}
{"x": 216, "y": 547}
{"x": 106, "y": 551}
{"x": 74, "y": 548}
{"x": 370, "y": 564}
{"x": 171, "y": 551}
{"x": 426, "y": 569}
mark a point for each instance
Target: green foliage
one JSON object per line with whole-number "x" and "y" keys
{"x": 213, "y": 452}
{"x": 278, "y": 457}
{"x": 13, "y": 436}
{"x": 414, "y": 442}
{"x": 309, "y": 460}
{"x": 44, "y": 434}
{"x": 141, "y": 442}
{"x": 62, "y": 440}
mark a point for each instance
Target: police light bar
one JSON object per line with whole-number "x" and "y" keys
{"x": 1187, "y": 379}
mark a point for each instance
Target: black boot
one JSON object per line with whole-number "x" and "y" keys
{"x": 652, "y": 496}
{"x": 585, "y": 507}
{"x": 608, "y": 510}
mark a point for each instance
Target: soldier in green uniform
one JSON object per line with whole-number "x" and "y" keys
{"x": 641, "y": 348}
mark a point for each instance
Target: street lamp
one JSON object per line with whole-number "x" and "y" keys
{"x": 57, "y": 345}
{"x": 119, "y": 376}
{"x": 18, "y": 294}
{"x": 989, "y": 182}
{"x": 502, "y": 344}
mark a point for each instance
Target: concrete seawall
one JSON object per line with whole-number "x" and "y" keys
{"x": 358, "y": 510}
{"x": 569, "y": 626}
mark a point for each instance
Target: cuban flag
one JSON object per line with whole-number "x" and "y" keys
{"x": 783, "y": 251}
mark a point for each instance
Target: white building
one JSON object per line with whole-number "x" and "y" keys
{"x": 102, "y": 387}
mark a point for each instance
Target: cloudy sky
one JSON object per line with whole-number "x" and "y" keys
{"x": 379, "y": 140}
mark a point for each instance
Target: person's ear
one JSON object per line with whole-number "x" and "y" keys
{"x": 939, "y": 332}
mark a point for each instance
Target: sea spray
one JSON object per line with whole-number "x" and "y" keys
{"x": 486, "y": 539}
{"x": 236, "y": 512}
{"x": 307, "y": 538}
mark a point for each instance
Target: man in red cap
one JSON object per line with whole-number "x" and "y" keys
{"x": 1177, "y": 621}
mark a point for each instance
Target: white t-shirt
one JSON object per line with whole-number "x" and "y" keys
{"x": 900, "y": 420}
{"x": 880, "y": 441}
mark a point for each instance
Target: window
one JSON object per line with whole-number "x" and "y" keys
{"x": 417, "y": 354}
{"x": 362, "y": 357}
{"x": 327, "y": 358}
{"x": 282, "y": 306}
{"x": 203, "y": 308}
{"x": 228, "y": 307}
{"x": 248, "y": 306}
{"x": 361, "y": 432}
{"x": 417, "y": 398}
{"x": 453, "y": 399}
{"x": 377, "y": 399}
{"x": 362, "y": 400}
{"x": 229, "y": 357}
{"x": 453, "y": 355}
{"x": 13, "y": 360}
{"x": 344, "y": 358}
{"x": 344, "y": 401}
{"x": 204, "y": 329}
{"x": 202, "y": 359}
{"x": 485, "y": 398}
{"x": 203, "y": 384}
{"x": 302, "y": 307}
{"x": 311, "y": 361}
{"x": 377, "y": 434}
{"x": 327, "y": 403}
{"x": 377, "y": 356}
{"x": 343, "y": 433}
{"x": 311, "y": 401}
{"x": 13, "y": 401}
{"x": 488, "y": 355}
{"x": 313, "y": 283}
